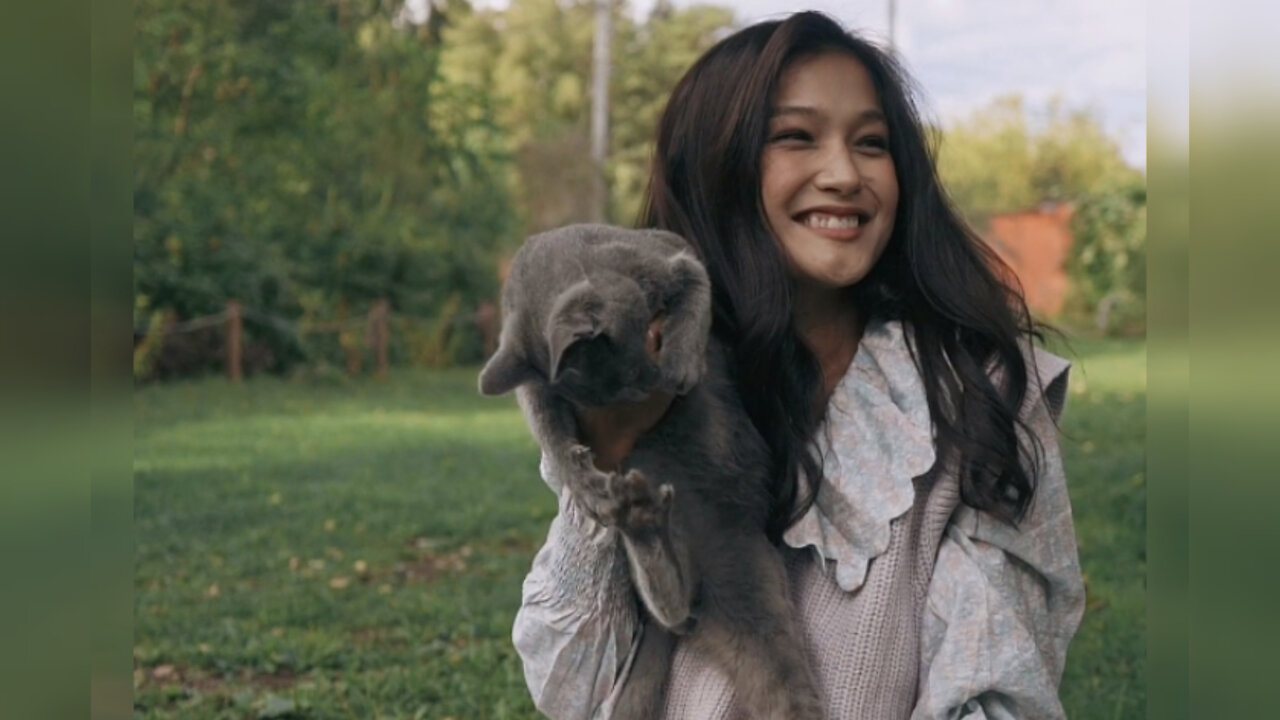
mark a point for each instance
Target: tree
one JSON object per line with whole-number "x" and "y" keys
{"x": 998, "y": 160}
{"x": 985, "y": 161}
{"x": 653, "y": 58}
{"x": 536, "y": 57}
{"x": 1108, "y": 263}
{"x": 307, "y": 157}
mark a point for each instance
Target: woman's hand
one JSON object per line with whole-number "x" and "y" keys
{"x": 612, "y": 430}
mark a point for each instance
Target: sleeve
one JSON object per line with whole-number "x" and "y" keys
{"x": 577, "y": 623}
{"x": 1004, "y": 602}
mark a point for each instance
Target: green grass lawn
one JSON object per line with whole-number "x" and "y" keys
{"x": 333, "y": 549}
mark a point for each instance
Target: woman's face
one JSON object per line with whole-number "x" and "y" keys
{"x": 829, "y": 187}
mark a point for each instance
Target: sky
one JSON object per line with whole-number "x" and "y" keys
{"x": 965, "y": 53}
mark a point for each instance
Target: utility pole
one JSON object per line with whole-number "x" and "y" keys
{"x": 602, "y": 56}
{"x": 893, "y": 12}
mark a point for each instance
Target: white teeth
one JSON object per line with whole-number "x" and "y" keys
{"x": 822, "y": 220}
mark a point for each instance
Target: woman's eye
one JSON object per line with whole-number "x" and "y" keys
{"x": 793, "y": 135}
{"x": 874, "y": 142}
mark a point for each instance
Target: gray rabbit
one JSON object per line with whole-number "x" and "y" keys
{"x": 692, "y": 500}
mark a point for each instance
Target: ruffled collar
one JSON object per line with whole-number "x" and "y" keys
{"x": 876, "y": 439}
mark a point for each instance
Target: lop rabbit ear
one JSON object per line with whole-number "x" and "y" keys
{"x": 504, "y": 372}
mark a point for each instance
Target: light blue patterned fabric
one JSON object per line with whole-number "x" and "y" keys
{"x": 876, "y": 438}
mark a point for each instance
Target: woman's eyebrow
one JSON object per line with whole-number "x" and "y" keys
{"x": 794, "y": 110}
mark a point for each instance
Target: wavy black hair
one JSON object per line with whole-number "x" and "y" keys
{"x": 964, "y": 312}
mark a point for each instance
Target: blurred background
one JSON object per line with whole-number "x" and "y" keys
{"x": 328, "y": 521}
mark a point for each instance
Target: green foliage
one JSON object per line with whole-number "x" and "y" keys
{"x": 255, "y": 506}
{"x": 998, "y": 160}
{"x": 535, "y": 58}
{"x": 1108, "y": 262}
{"x": 652, "y": 58}
{"x": 306, "y": 158}
{"x": 985, "y": 161}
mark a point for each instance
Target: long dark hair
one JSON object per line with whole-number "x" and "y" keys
{"x": 935, "y": 275}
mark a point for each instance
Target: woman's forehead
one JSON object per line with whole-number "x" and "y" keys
{"x": 820, "y": 83}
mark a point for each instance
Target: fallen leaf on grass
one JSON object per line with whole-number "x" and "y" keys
{"x": 330, "y": 525}
{"x": 294, "y": 564}
{"x": 453, "y": 561}
{"x": 276, "y": 707}
{"x": 340, "y": 582}
{"x": 213, "y": 591}
{"x": 426, "y": 543}
{"x": 163, "y": 672}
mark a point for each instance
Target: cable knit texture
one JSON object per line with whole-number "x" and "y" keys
{"x": 913, "y": 605}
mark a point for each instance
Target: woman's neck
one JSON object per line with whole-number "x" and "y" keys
{"x": 831, "y": 326}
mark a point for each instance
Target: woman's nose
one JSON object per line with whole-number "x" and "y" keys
{"x": 839, "y": 172}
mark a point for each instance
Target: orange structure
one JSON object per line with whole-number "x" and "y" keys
{"x": 1035, "y": 244}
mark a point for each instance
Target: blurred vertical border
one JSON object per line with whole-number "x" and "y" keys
{"x": 65, "y": 434}
{"x": 1234, "y": 354}
{"x": 1168, "y": 367}
{"x": 111, "y": 369}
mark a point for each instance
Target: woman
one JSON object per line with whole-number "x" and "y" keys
{"x": 920, "y": 500}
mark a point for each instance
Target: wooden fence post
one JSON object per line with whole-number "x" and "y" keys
{"x": 486, "y": 319}
{"x": 379, "y": 335}
{"x": 235, "y": 346}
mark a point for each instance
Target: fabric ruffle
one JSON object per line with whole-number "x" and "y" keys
{"x": 876, "y": 439}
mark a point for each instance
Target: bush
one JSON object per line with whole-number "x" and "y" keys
{"x": 1108, "y": 262}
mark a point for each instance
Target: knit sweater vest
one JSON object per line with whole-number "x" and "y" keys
{"x": 869, "y": 638}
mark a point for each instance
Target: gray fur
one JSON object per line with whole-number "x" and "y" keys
{"x": 692, "y": 499}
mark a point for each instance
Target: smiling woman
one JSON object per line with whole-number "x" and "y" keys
{"x": 830, "y": 193}
{"x": 829, "y": 189}
{"x": 910, "y": 419}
